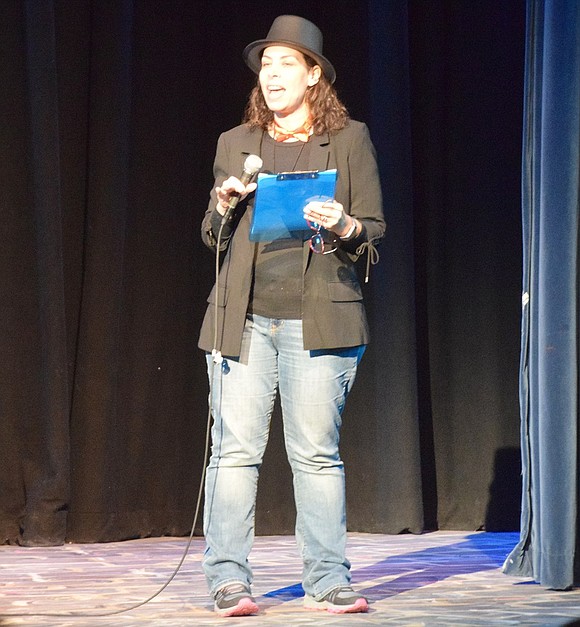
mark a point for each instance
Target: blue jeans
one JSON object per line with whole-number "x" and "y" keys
{"x": 313, "y": 387}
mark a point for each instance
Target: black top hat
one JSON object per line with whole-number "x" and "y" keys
{"x": 294, "y": 32}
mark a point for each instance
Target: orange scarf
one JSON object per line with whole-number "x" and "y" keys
{"x": 302, "y": 134}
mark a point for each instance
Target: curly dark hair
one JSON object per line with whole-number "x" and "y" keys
{"x": 327, "y": 112}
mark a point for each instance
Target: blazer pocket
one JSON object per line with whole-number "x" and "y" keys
{"x": 222, "y": 297}
{"x": 344, "y": 291}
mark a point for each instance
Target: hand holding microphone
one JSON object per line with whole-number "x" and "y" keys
{"x": 232, "y": 190}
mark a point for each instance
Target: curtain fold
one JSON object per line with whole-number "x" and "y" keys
{"x": 96, "y": 432}
{"x": 549, "y": 342}
{"x": 44, "y": 443}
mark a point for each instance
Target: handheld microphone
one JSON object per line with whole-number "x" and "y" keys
{"x": 252, "y": 165}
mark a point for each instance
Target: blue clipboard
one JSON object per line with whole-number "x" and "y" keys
{"x": 281, "y": 198}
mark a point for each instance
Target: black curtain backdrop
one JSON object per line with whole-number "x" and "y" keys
{"x": 109, "y": 117}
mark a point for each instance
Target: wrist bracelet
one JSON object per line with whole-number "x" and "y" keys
{"x": 350, "y": 231}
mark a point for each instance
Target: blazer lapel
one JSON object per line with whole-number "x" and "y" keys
{"x": 319, "y": 152}
{"x": 318, "y": 160}
{"x": 252, "y": 144}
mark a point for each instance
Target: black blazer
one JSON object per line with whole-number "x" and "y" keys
{"x": 332, "y": 302}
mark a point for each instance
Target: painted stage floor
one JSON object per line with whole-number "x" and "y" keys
{"x": 440, "y": 578}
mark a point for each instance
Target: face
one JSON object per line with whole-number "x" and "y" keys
{"x": 284, "y": 78}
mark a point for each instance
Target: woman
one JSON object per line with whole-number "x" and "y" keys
{"x": 286, "y": 315}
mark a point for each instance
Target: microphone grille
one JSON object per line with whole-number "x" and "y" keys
{"x": 252, "y": 164}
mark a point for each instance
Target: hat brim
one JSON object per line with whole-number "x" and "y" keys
{"x": 252, "y": 55}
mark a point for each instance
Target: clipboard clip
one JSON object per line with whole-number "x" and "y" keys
{"x": 299, "y": 175}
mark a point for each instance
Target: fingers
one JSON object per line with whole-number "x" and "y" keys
{"x": 232, "y": 186}
{"x": 228, "y": 188}
{"x": 329, "y": 214}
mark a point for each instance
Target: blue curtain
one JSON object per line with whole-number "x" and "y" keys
{"x": 549, "y": 351}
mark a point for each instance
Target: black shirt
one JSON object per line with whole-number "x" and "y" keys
{"x": 277, "y": 280}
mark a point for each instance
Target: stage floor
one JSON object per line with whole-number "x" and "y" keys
{"x": 441, "y": 578}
